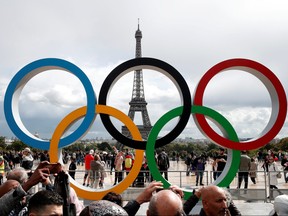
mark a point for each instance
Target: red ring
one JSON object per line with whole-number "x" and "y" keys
{"x": 261, "y": 72}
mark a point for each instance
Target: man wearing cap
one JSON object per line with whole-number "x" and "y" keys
{"x": 27, "y": 159}
{"x": 88, "y": 158}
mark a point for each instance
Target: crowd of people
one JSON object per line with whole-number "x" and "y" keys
{"x": 17, "y": 196}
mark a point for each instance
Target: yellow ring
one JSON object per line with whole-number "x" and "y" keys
{"x": 89, "y": 193}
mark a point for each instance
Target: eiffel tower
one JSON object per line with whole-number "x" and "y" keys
{"x": 138, "y": 102}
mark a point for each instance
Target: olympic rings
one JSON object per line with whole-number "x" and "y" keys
{"x": 85, "y": 192}
{"x": 18, "y": 82}
{"x": 275, "y": 89}
{"x": 160, "y": 66}
{"x": 233, "y": 157}
{"x": 229, "y": 140}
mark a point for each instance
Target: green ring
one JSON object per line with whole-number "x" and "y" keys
{"x": 233, "y": 157}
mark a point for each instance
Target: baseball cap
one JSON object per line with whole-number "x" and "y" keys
{"x": 91, "y": 151}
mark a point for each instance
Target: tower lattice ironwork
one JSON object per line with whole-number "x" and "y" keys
{"x": 138, "y": 102}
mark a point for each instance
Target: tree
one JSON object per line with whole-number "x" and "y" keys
{"x": 104, "y": 146}
{"x": 3, "y": 145}
{"x": 283, "y": 144}
{"x": 16, "y": 145}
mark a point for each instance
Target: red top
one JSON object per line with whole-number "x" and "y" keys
{"x": 88, "y": 158}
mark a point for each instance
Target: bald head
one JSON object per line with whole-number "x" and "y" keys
{"x": 214, "y": 200}
{"x": 165, "y": 202}
{"x": 7, "y": 186}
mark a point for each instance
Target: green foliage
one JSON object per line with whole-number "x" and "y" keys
{"x": 104, "y": 146}
{"x": 283, "y": 144}
{"x": 16, "y": 145}
{"x": 2, "y": 143}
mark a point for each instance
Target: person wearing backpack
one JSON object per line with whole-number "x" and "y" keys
{"x": 163, "y": 163}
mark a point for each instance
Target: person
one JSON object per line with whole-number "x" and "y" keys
{"x": 188, "y": 163}
{"x": 96, "y": 171}
{"x": 112, "y": 162}
{"x": 284, "y": 164}
{"x": 163, "y": 163}
{"x": 2, "y": 169}
{"x": 265, "y": 163}
{"x": 27, "y": 159}
{"x": 133, "y": 205}
{"x": 79, "y": 206}
{"x": 104, "y": 208}
{"x": 221, "y": 161}
{"x": 19, "y": 174}
{"x": 214, "y": 201}
{"x": 104, "y": 175}
{"x": 7, "y": 186}
{"x": 45, "y": 202}
{"x": 272, "y": 173}
{"x": 280, "y": 205}
{"x": 165, "y": 202}
{"x": 44, "y": 156}
{"x": 214, "y": 168}
{"x": 243, "y": 171}
{"x": 119, "y": 167}
{"x": 129, "y": 160}
{"x": 200, "y": 167}
{"x": 72, "y": 168}
{"x": 88, "y": 158}
{"x": 114, "y": 197}
{"x": 10, "y": 199}
{"x": 177, "y": 157}
{"x": 195, "y": 197}
{"x": 280, "y": 155}
{"x": 253, "y": 170}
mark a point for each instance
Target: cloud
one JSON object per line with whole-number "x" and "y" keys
{"x": 97, "y": 36}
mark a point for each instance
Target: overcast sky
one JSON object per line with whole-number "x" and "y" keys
{"x": 97, "y": 36}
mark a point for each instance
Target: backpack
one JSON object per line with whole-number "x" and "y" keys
{"x": 162, "y": 160}
{"x": 128, "y": 162}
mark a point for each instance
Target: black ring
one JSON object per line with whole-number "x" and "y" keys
{"x": 154, "y": 64}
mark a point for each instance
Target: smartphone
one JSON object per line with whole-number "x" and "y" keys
{"x": 53, "y": 167}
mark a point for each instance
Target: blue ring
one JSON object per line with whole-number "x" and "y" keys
{"x": 22, "y": 77}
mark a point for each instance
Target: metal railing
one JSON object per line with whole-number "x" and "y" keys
{"x": 258, "y": 192}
